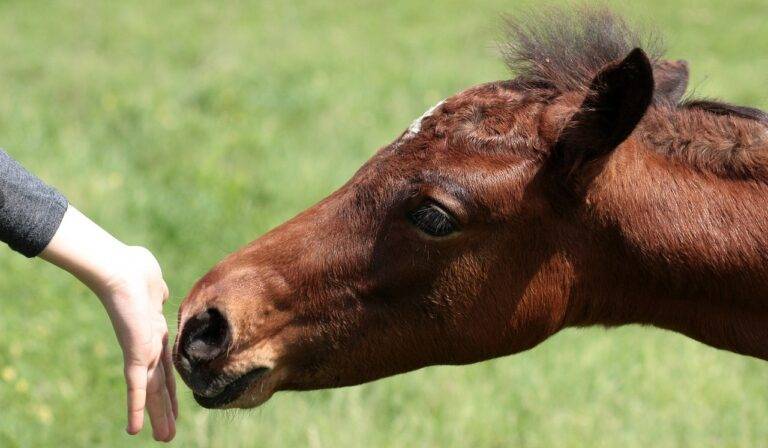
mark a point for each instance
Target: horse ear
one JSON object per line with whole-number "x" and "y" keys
{"x": 671, "y": 79}
{"x": 617, "y": 99}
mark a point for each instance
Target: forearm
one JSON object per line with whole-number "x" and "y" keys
{"x": 85, "y": 250}
{"x": 30, "y": 211}
{"x": 35, "y": 219}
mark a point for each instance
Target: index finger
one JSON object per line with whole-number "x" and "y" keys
{"x": 136, "y": 378}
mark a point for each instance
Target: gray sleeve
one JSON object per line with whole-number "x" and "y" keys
{"x": 30, "y": 211}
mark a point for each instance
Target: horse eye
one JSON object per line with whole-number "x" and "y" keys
{"x": 431, "y": 219}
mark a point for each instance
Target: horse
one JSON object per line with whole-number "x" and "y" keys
{"x": 587, "y": 189}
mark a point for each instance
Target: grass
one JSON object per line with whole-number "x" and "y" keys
{"x": 193, "y": 127}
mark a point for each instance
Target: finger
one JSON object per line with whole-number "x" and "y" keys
{"x": 156, "y": 406}
{"x": 136, "y": 379}
{"x": 170, "y": 379}
{"x": 169, "y": 412}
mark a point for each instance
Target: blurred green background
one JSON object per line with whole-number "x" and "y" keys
{"x": 192, "y": 127}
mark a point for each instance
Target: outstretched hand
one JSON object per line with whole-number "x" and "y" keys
{"x": 130, "y": 285}
{"x": 134, "y": 300}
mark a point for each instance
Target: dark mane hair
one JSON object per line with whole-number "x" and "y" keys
{"x": 563, "y": 49}
{"x": 722, "y": 108}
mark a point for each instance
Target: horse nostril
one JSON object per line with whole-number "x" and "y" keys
{"x": 205, "y": 337}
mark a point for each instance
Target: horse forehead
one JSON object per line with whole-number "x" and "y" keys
{"x": 415, "y": 126}
{"x": 476, "y": 93}
{"x": 487, "y": 118}
{"x": 472, "y": 107}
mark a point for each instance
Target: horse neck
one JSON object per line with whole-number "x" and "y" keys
{"x": 687, "y": 248}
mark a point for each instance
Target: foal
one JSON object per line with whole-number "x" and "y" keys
{"x": 581, "y": 192}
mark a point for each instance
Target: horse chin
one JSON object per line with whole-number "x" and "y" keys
{"x": 248, "y": 390}
{"x": 251, "y": 400}
{"x": 257, "y": 395}
{"x": 259, "y": 391}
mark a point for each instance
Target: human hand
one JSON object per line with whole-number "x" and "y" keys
{"x": 130, "y": 285}
{"x": 134, "y": 298}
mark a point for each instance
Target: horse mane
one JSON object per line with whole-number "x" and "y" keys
{"x": 563, "y": 49}
{"x": 722, "y": 108}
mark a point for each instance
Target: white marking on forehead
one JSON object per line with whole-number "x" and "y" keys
{"x": 415, "y": 127}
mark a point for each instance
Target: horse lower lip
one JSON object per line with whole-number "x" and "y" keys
{"x": 232, "y": 391}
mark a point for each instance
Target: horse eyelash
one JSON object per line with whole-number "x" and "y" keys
{"x": 431, "y": 216}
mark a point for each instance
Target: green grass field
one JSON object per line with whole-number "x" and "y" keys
{"x": 194, "y": 127}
